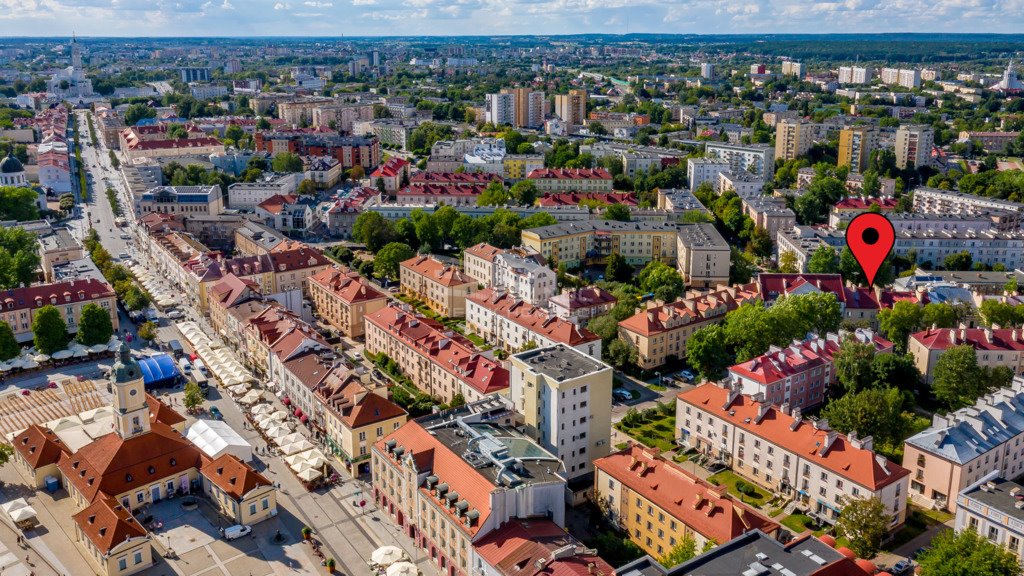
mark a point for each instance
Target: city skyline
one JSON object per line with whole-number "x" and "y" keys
{"x": 139, "y": 18}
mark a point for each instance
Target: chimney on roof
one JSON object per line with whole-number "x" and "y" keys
{"x": 784, "y": 408}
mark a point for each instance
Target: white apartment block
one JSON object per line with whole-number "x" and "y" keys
{"x": 525, "y": 277}
{"x": 248, "y": 195}
{"x": 744, "y": 184}
{"x": 500, "y": 109}
{"x": 790, "y": 68}
{"x": 991, "y": 508}
{"x": 908, "y": 78}
{"x": 988, "y": 247}
{"x": 755, "y": 159}
{"x": 938, "y": 201}
{"x": 707, "y": 71}
{"x": 769, "y": 445}
{"x": 565, "y": 398}
{"x": 854, "y": 75}
{"x": 701, "y": 170}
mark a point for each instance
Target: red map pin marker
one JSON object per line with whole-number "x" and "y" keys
{"x": 870, "y": 237}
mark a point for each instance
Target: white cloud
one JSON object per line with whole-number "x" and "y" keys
{"x": 363, "y": 2}
{"x": 282, "y": 6}
{"x": 227, "y": 5}
{"x": 319, "y": 4}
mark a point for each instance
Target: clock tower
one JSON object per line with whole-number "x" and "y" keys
{"x": 131, "y": 412}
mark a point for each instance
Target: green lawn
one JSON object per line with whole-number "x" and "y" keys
{"x": 730, "y": 480}
{"x": 918, "y": 521}
{"x": 654, "y": 429}
{"x": 799, "y": 523}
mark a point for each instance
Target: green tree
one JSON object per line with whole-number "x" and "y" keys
{"x": 620, "y": 354}
{"x": 684, "y": 550}
{"x": 596, "y": 127}
{"x": 853, "y": 365}
{"x": 307, "y": 188}
{"x": 958, "y": 380}
{"x": 147, "y": 331}
{"x": 457, "y": 400}
{"x": 6, "y": 453}
{"x": 386, "y": 262}
{"x": 618, "y": 212}
{"x": 864, "y": 522}
{"x": 966, "y": 553}
{"x": 899, "y": 322}
{"x": 18, "y": 204}
{"x": 788, "y": 262}
{"x": 524, "y": 192}
{"x": 234, "y": 132}
{"x": 287, "y": 162}
{"x": 707, "y": 351}
{"x": 617, "y": 270}
{"x": 137, "y": 112}
{"x": 824, "y": 261}
{"x": 939, "y": 315}
{"x": 958, "y": 261}
{"x": 814, "y": 312}
{"x": 373, "y": 230}
{"x": 67, "y": 202}
{"x": 95, "y": 326}
{"x": 760, "y": 244}
{"x": 750, "y": 330}
{"x": 852, "y": 271}
{"x": 494, "y": 195}
{"x": 428, "y": 233}
{"x": 49, "y": 331}
{"x": 894, "y": 370}
{"x": 193, "y": 396}
{"x": 661, "y": 279}
{"x": 875, "y": 412}
{"x": 996, "y": 312}
{"x": 9, "y": 347}
{"x": 741, "y": 268}
{"x": 176, "y": 132}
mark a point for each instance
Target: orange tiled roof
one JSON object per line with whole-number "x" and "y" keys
{"x": 485, "y": 251}
{"x": 39, "y": 446}
{"x": 688, "y": 311}
{"x": 346, "y": 285}
{"x": 233, "y": 476}
{"x": 107, "y": 524}
{"x": 856, "y": 464}
{"x": 537, "y": 320}
{"x": 437, "y": 271}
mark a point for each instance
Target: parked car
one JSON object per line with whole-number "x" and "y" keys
{"x": 900, "y": 568}
{"x": 236, "y": 531}
{"x": 175, "y": 314}
{"x": 215, "y": 412}
{"x": 621, "y": 394}
{"x": 686, "y": 375}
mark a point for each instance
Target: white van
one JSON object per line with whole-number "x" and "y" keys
{"x": 200, "y": 366}
{"x": 236, "y": 531}
{"x": 184, "y": 364}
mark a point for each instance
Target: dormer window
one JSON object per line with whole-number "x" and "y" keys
{"x": 53, "y": 299}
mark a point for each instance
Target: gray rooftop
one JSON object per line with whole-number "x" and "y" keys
{"x": 481, "y": 433}
{"x": 754, "y": 553}
{"x": 971, "y": 432}
{"x": 998, "y": 494}
{"x": 59, "y": 239}
{"x": 591, "y": 226}
{"x": 702, "y": 235}
{"x": 560, "y": 362}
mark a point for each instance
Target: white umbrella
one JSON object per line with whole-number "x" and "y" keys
{"x": 261, "y": 409}
{"x": 316, "y": 459}
{"x": 309, "y": 474}
{"x": 295, "y": 447}
{"x": 4, "y": 367}
{"x": 403, "y": 569}
{"x": 280, "y": 415}
{"x": 295, "y": 459}
{"x": 29, "y": 365}
{"x": 277, "y": 431}
{"x": 81, "y": 353}
{"x": 97, "y": 348}
{"x": 387, "y": 555}
{"x": 250, "y": 397}
{"x": 75, "y": 347}
{"x": 41, "y": 357}
{"x": 264, "y": 421}
{"x": 293, "y": 437}
{"x": 239, "y": 389}
{"x": 64, "y": 354}
{"x": 17, "y": 363}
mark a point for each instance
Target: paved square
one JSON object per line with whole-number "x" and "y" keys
{"x": 244, "y": 565}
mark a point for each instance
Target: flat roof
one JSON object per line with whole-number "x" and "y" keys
{"x": 996, "y": 493}
{"x": 591, "y": 226}
{"x": 560, "y": 362}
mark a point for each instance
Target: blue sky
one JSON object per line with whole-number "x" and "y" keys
{"x": 458, "y": 17}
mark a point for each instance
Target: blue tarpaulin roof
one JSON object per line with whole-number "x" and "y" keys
{"x": 158, "y": 370}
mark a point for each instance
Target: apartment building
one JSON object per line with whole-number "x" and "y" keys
{"x": 855, "y": 75}
{"x": 393, "y": 173}
{"x": 803, "y": 241}
{"x": 743, "y": 184}
{"x": 478, "y": 263}
{"x": 755, "y": 159}
{"x": 441, "y": 286}
{"x": 525, "y": 276}
{"x": 56, "y": 248}
{"x": 565, "y": 398}
{"x": 848, "y": 208}
{"x": 518, "y": 166}
{"x": 572, "y": 108}
{"x": 701, "y": 170}
{"x": 799, "y": 374}
{"x": 528, "y": 106}
{"x": 769, "y": 213}
{"x": 658, "y": 504}
{"x": 184, "y": 200}
{"x": 993, "y": 347}
{"x": 989, "y": 508}
{"x": 499, "y": 109}
{"x": 249, "y": 195}
{"x": 69, "y": 298}
{"x": 350, "y": 151}
{"x": 451, "y": 188}
{"x": 703, "y": 256}
{"x": 774, "y": 446}
{"x": 965, "y": 446}
{"x": 905, "y": 77}
{"x": 571, "y": 179}
{"x": 855, "y": 146}
{"x": 513, "y": 324}
{"x": 579, "y": 305}
{"x": 989, "y": 247}
{"x": 586, "y": 242}
{"x": 914, "y": 146}
{"x": 679, "y": 201}
{"x": 660, "y": 332}
{"x": 449, "y": 479}
{"x": 995, "y": 142}
{"x": 536, "y": 543}
{"x": 343, "y": 299}
{"x": 392, "y": 131}
{"x": 937, "y": 201}
{"x": 135, "y": 146}
{"x": 439, "y": 361}
{"x": 341, "y": 116}
{"x": 793, "y": 138}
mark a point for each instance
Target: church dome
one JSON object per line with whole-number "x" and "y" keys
{"x": 11, "y": 165}
{"x": 126, "y": 369}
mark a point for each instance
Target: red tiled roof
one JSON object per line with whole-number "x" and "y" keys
{"x": 516, "y": 548}
{"x": 709, "y": 510}
{"x": 795, "y": 359}
{"x": 390, "y": 169}
{"x": 453, "y": 179}
{"x": 160, "y": 412}
{"x": 708, "y": 306}
{"x": 978, "y": 338}
{"x": 856, "y": 203}
{"x": 485, "y": 251}
{"x": 231, "y": 290}
{"x": 73, "y": 291}
{"x": 773, "y": 285}
{"x": 534, "y": 319}
{"x": 570, "y": 174}
{"x": 39, "y": 446}
{"x": 437, "y": 271}
{"x": 575, "y": 198}
{"x": 107, "y": 524}
{"x": 434, "y": 457}
{"x": 298, "y": 259}
{"x": 165, "y": 144}
{"x": 586, "y": 297}
{"x": 276, "y": 203}
{"x": 441, "y": 190}
{"x": 371, "y": 409}
{"x": 348, "y": 286}
{"x": 856, "y": 464}
{"x": 233, "y": 476}
{"x": 449, "y": 350}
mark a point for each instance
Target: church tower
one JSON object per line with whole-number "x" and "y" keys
{"x": 76, "y": 54}
{"x": 131, "y": 413}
